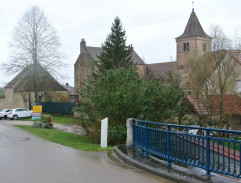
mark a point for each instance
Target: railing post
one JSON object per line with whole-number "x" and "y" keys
{"x": 169, "y": 162}
{"x": 147, "y": 139}
{"x": 129, "y": 139}
{"x": 207, "y": 153}
{"x": 142, "y": 138}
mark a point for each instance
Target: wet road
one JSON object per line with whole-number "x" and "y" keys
{"x": 25, "y": 158}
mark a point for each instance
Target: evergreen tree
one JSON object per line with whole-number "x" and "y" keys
{"x": 115, "y": 53}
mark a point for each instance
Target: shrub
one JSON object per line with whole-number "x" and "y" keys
{"x": 116, "y": 134}
{"x": 121, "y": 94}
{"x": 45, "y": 122}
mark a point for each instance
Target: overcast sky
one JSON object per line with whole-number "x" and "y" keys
{"x": 151, "y": 26}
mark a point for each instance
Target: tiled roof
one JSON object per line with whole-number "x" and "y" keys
{"x": 18, "y": 78}
{"x": 45, "y": 81}
{"x": 96, "y": 51}
{"x": 165, "y": 66}
{"x": 193, "y": 28}
{"x": 231, "y": 105}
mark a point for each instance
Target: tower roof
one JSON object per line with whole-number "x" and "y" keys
{"x": 193, "y": 28}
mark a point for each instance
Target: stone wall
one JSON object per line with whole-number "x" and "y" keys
{"x": 21, "y": 100}
{"x": 141, "y": 70}
{"x": 84, "y": 67}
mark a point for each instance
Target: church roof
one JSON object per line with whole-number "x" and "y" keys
{"x": 193, "y": 28}
{"x": 164, "y": 66}
{"x": 96, "y": 51}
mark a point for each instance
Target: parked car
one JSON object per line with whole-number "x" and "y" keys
{"x": 4, "y": 113}
{"x": 198, "y": 131}
{"x": 19, "y": 113}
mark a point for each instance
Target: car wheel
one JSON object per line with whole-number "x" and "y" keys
{"x": 15, "y": 117}
{"x": 5, "y": 117}
{"x": 0, "y": 118}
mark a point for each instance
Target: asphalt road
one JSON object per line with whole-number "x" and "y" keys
{"x": 25, "y": 158}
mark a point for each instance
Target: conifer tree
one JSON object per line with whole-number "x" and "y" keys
{"x": 115, "y": 53}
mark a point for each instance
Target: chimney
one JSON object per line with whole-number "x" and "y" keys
{"x": 82, "y": 45}
{"x": 131, "y": 47}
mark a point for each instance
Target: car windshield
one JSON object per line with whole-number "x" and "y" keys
{"x": 2, "y": 110}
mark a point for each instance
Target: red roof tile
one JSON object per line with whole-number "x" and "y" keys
{"x": 231, "y": 104}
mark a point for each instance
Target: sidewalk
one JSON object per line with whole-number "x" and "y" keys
{"x": 161, "y": 168}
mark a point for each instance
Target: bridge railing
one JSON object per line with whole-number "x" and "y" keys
{"x": 216, "y": 150}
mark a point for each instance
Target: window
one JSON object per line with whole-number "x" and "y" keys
{"x": 204, "y": 47}
{"x": 238, "y": 86}
{"x": 189, "y": 92}
{"x": 184, "y": 47}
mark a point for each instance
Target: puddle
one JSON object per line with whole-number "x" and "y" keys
{"x": 71, "y": 129}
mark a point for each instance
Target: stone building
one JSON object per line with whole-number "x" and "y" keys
{"x": 193, "y": 41}
{"x": 85, "y": 64}
{"x": 19, "y": 92}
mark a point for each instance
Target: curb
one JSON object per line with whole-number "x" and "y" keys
{"x": 171, "y": 172}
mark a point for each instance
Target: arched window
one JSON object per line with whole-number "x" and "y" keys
{"x": 184, "y": 47}
{"x": 204, "y": 47}
{"x": 187, "y": 46}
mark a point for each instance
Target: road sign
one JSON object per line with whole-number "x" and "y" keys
{"x": 36, "y": 114}
{"x": 36, "y": 117}
{"x": 37, "y": 108}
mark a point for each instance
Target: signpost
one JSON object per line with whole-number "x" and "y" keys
{"x": 37, "y": 110}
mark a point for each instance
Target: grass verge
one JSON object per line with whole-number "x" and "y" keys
{"x": 65, "y": 138}
{"x": 57, "y": 119}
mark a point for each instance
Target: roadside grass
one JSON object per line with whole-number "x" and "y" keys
{"x": 57, "y": 119}
{"x": 65, "y": 138}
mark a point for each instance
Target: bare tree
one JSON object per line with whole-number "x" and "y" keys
{"x": 214, "y": 75}
{"x": 34, "y": 42}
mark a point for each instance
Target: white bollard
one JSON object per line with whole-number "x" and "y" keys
{"x": 104, "y": 133}
{"x": 129, "y": 139}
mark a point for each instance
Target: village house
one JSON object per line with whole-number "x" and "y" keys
{"x": 19, "y": 92}
{"x": 85, "y": 64}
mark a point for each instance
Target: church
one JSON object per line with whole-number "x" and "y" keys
{"x": 193, "y": 41}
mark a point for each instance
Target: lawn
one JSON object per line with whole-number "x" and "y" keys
{"x": 65, "y": 138}
{"x": 58, "y": 119}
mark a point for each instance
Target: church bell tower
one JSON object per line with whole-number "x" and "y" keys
{"x": 194, "y": 41}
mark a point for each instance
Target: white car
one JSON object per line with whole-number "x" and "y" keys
{"x": 4, "y": 113}
{"x": 198, "y": 131}
{"x": 19, "y": 113}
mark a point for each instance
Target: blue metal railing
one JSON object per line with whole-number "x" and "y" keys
{"x": 208, "y": 151}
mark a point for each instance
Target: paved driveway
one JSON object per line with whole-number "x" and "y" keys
{"x": 25, "y": 158}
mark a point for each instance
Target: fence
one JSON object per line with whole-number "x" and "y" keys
{"x": 174, "y": 143}
{"x": 57, "y": 107}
